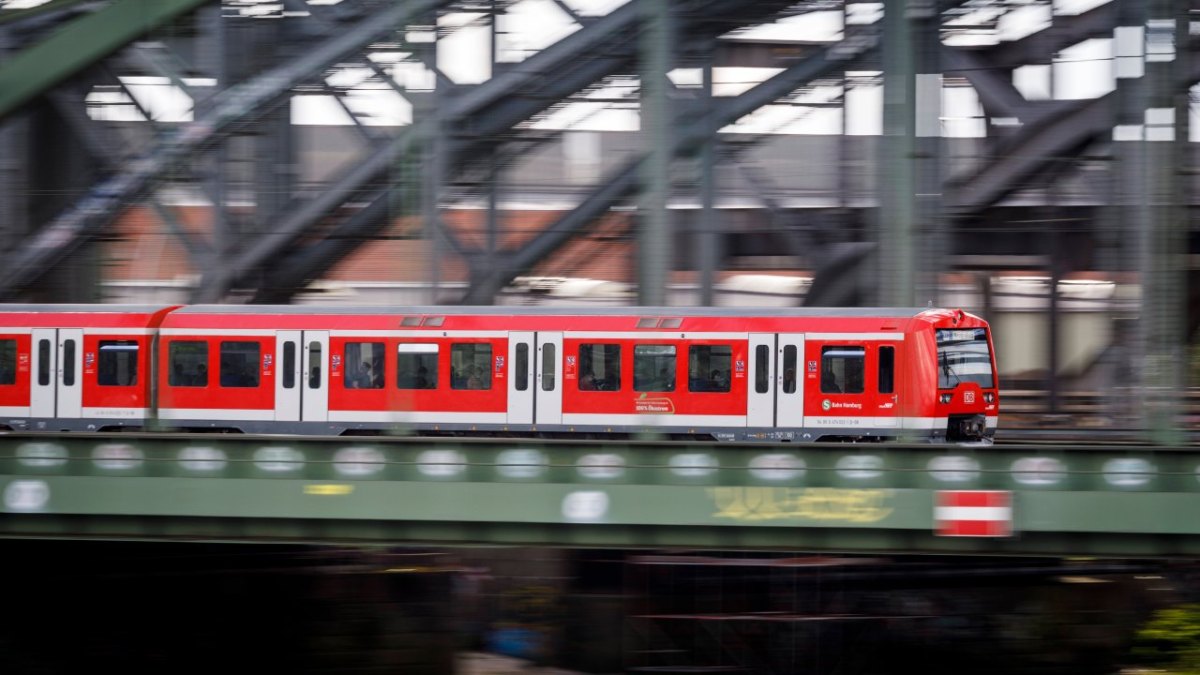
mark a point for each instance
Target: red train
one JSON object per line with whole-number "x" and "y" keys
{"x": 792, "y": 375}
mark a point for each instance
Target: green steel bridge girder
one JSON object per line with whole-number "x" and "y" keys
{"x": 79, "y": 44}
{"x": 1100, "y": 500}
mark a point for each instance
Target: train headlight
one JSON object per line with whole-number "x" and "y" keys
{"x": 945, "y": 398}
{"x": 989, "y": 397}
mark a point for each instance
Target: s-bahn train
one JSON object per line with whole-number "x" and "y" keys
{"x": 754, "y": 374}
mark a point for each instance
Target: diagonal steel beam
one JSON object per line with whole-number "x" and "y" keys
{"x": 995, "y": 88}
{"x": 619, "y": 185}
{"x": 102, "y": 204}
{"x": 1038, "y": 147}
{"x": 1035, "y": 149}
{"x": 486, "y": 109}
{"x": 1063, "y": 132}
{"x": 475, "y": 115}
{"x": 100, "y": 150}
{"x": 1041, "y": 46}
{"x": 80, "y": 44}
{"x": 624, "y": 180}
{"x": 298, "y": 219}
{"x": 309, "y": 263}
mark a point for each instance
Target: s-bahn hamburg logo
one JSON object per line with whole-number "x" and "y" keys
{"x": 826, "y": 405}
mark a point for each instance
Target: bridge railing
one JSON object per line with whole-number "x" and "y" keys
{"x": 1020, "y": 499}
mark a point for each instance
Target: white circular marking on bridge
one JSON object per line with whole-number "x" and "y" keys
{"x": 1038, "y": 471}
{"x": 278, "y": 459}
{"x": 202, "y": 458}
{"x": 441, "y": 463}
{"x": 1128, "y": 472}
{"x": 41, "y": 454}
{"x": 601, "y": 466}
{"x": 693, "y": 464}
{"x": 520, "y": 463}
{"x": 26, "y": 495}
{"x": 777, "y": 466}
{"x": 860, "y": 467}
{"x": 117, "y": 456}
{"x": 358, "y": 461}
{"x": 954, "y": 468}
{"x": 585, "y": 506}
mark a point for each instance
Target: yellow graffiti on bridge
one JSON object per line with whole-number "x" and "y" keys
{"x": 821, "y": 504}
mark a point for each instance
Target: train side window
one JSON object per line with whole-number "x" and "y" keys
{"x": 653, "y": 368}
{"x": 762, "y": 369}
{"x": 314, "y": 364}
{"x": 43, "y": 362}
{"x": 789, "y": 369}
{"x": 599, "y": 367}
{"x": 289, "y": 365}
{"x": 8, "y": 361}
{"x": 887, "y": 368}
{"x": 189, "y": 363}
{"x": 68, "y": 363}
{"x": 548, "y": 351}
{"x": 417, "y": 366}
{"x": 471, "y": 366}
{"x": 842, "y": 370}
{"x": 117, "y": 365}
{"x": 521, "y": 367}
{"x": 364, "y": 365}
{"x": 708, "y": 367}
{"x": 239, "y": 364}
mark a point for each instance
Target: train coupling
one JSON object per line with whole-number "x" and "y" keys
{"x": 966, "y": 428}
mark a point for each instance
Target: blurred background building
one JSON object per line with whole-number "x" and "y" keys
{"x": 1029, "y": 160}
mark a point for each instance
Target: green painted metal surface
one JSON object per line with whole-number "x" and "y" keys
{"x": 81, "y": 43}
{"x": 1100, "y": 501}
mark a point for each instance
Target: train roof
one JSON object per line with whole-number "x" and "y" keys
{"x": 504, "y": 310}
{"x": 83, "y": 316}
{"x": 51, "y": 308}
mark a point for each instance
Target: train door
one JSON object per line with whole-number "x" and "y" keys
{"x": 69, "y": 398}
{"x": 789, "y": 381}
{"x": 520, "y": 378}
{"x": 289, "y": 384}
{"x": 888, "y": 403}
{"x": 549, "y": 378}
{"x": 41, "y": 401}
{"x": 760, "y": 407}
{"x": 314, "y": 399}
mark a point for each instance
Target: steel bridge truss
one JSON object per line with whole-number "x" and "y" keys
{"x": 464, "y": 138}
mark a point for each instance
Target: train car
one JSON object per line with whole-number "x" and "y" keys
{"x": 780, "y": 375}
{"x": 77, "y": 367}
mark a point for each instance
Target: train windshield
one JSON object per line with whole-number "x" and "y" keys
{"x": 963, "y": 356}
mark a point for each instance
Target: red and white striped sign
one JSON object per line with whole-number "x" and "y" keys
{"x": 973, "y": 513}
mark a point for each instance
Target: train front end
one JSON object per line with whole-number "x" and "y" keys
{"x": 967, "y": 396}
